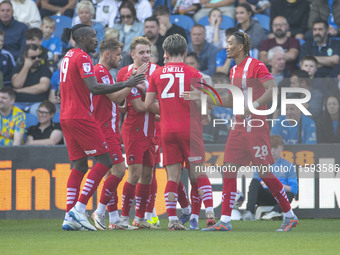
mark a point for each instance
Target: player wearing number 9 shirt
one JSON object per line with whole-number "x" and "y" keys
{"x": 82, "y": 134}
{"x": 181, "y": 128}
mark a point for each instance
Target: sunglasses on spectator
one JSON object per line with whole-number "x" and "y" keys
{"x": 125, "y": 16}
{"x": 35, "y": 57}
{"x": 42, "y": 112}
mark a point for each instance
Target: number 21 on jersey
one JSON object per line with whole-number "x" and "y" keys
{"x": 172, "y": 80}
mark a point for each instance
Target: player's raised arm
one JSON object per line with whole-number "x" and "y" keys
{"x": 150, "y": 103}
{"x": 101, "y": 88}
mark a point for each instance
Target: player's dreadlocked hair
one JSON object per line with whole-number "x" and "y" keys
{"x": 243, "y": 39}
{"x": 74, "y": 31}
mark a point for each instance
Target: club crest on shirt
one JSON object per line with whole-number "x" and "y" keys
{"x": 86, "y": 67}
{"x": 115, "y": 157}
{"x": 132, "y": 157}
{"x": 106, "y": 79}
{"x": 134, "y": 91}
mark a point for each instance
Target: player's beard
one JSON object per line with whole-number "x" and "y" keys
{"x": 280, "y": 33}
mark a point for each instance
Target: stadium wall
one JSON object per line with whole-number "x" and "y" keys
{"x": 33, "y": 181}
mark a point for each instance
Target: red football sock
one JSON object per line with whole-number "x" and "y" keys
{"x": 73, "y": 187}
{"x": 112, "y": 205}
{"x": 109, "y": 188}
{"x": 93, "y": 179}
{"x": 276, "y": 187}
{"x": 182, "y": 195}
{"x": 229, "y": 192}
{"x": 204, "y": 184}
{"x": 153, "y": 193}
{"x": 127, "y": 199}
{"x": 142, "y": 193}
{"x": 171, "y": 187}
{"x": 196, "y": 200}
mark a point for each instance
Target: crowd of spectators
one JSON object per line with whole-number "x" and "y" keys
{"x": 302, "y": 48}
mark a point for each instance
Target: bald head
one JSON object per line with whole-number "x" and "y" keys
{"x": 78, "y": 31}
{"x": 280, "y": 27}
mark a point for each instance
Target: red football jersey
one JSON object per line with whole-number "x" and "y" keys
{"x": 104, "y": 110}
{"x": 250, "y": 73}
{"x": 138, "y": 123}
{"x": 75, "y": 96}
{"x": 169, "y": 82}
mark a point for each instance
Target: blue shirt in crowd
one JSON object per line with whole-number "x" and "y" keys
{"x": 285, "y": 172}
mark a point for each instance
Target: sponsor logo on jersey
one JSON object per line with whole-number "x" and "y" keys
{"x": 90, "y": 152}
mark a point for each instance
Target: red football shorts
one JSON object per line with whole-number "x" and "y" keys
{"x": 139, "y": 150}
{"x": 114, "y": 143}
{"x": 243, "y": 148}
{"x": 182, "y": 147}
{"x": 83, "y": 138}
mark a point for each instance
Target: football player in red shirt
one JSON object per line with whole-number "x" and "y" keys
{"x": 181, "y": 128}
{"x": 106, "y": 113}
{"x": 138, "y": 137}
{"x": 82, "y": 134}
{"x": 249, "y": 139}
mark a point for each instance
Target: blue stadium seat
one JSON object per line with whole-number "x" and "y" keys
{"x": 56, "y": 117}
{"x": 61, "y": 22}
{"x": 301, "y": 41}
{"x": 227, "y": 22}
{"x": 183, "y": 21}
{"x": 30, "y": 120}
{"x": 264, "y": 21}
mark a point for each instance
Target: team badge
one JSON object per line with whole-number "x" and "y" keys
{"x": 132, "y": 157}
{"x": 106, "y": 79}
{"x": 86, "y": 67}
{"x": 106, "y": 9}
{"x": 115, "y": 157}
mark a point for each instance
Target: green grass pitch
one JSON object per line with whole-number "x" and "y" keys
{"x": 258, "y": 237}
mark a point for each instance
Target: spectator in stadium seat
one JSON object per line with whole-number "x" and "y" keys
{"x": 328, "y": 128}
{"x": 12, "y": 119}
{"x": 57, "y": 7}
{"x": 205, "y": 51}
{"x": 129, "y": 26}
{"x": 226, "y": 6}
{"x": 35, "y": 36}
{"x": 258, "y": 6}
{"x": 214, "y": 34}
{"x": 320, "y": 9}
{"x": 281, "y": 38}
{"x": 49, "y": 41}
{"x": 46, "y": 132}
{"x": 85, "y": 10}
{"x": 298, "y": 128}
{"x": 300, "y": 79}
{"x": 324, "y": 49}
{"x": 325, "y": 85}
{"x": 151, "y": 31}
{"x": 260, "y": 195}
{"x": 31, "y": 80}
{"x": 246, "y": 24}
{"x": 192, "y": 60}
{"x": 189, "y": 7}
{"x": 296, "y": 13}
{"x": 7, "y": 63}
{"x": 26, "y": 11}
{"x": 13, "y": 29}
{"x": 277, "y": 63}
{"x": 143, "y": 9}
{"x": 162, "y": 13}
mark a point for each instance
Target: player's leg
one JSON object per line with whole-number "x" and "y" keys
{"x": 171, "y": 196}
{"x": 184, "y": 203}
{"x": 79, "y": 169}
{"x": 275, "y": 186}
{"x": 150, "y": 207}
{"x": 142, "y": 194}
{"x": 204, "y": 191}
{"x": 196, "y": 202}
{"x": 253, "y": 194}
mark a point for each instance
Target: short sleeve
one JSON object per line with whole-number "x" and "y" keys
{"x": 135, "y": 93}
{"x": 262, "y": 73}
{"x": 85, "y": 66}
